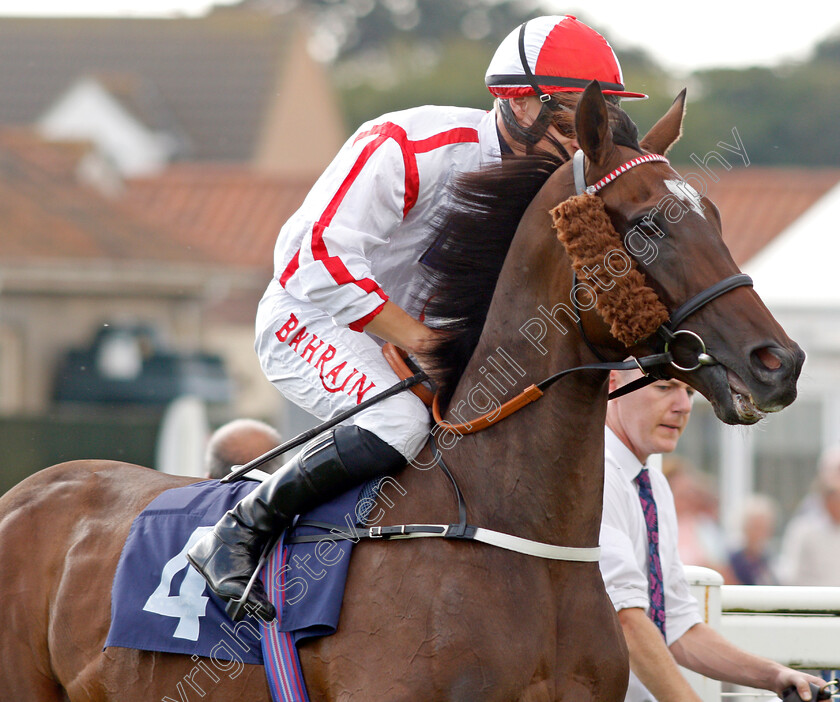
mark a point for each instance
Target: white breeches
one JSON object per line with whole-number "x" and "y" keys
{"x": 326, "y": 369}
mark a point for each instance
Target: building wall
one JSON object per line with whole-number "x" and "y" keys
{"x": 36, "y": 329}
{"x": 88, "y": 112}
{"x": 255, "y": 396}
{"x": 303, "y": 129}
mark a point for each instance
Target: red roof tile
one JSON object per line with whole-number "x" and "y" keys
{"x": 757, "y": 204}
{"x": 232, "y": 213}
{"x": 235, "y": 214}
{"x": 47, "y": 214}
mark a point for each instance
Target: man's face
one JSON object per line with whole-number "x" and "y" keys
{"x": 567, "y": 141}
{"x": 650, "y": 420}
{"x": 526, "y": 110}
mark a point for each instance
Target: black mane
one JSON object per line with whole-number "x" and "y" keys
{"x": 471, "y": 241}
{"x": 624, "y": 130}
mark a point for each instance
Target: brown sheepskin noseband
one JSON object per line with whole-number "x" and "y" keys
{"x": 630, "y": 308}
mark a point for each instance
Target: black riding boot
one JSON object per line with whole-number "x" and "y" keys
{"x": 326, "y": 467}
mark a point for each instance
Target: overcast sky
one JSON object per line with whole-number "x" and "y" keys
{"x": 682, "y": 36}
{"x": 691, "y": 35}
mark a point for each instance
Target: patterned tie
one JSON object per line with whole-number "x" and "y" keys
{"x": 656, "y": 589}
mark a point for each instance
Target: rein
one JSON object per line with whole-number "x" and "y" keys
{"x": 651, "y": 366}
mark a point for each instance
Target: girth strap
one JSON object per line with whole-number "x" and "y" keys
{"x": 461, "y": 530}
{"x": 448, "y": 531}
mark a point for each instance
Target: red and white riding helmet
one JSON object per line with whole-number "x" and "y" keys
{"x": 554, "y": 54}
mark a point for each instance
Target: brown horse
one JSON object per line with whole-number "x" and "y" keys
{"x": 437, "y": 619}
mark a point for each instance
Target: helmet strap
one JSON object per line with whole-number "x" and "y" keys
{"x": 530, "y": 136}
{"x": 544, "y": 98}
{"x": 527, "y": 136}
{"x": 533, "y": 134}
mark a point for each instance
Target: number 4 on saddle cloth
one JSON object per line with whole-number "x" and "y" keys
{"x": 160, "y": 603}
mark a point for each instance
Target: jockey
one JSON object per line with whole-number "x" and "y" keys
{"x": 347, "y": 273}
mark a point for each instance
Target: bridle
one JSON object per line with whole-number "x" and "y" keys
{"x": 653, "y": 366}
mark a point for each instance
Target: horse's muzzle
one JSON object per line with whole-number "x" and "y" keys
{"x": 776, "y": 370}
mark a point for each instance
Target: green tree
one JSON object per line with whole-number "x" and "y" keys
{"x": 393, "y": 54}
{"x": 785, "y": 115}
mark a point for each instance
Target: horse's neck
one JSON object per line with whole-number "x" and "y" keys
{"x": 538, "y": 473}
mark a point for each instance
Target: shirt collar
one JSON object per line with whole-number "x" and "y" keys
{"x": 626, "y": 460}
{"x": 503, "y": 145}
{"x": 488, "y": 139}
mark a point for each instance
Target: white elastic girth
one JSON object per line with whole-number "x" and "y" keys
{"x": 493, "y": 538}
{"x": 508, "y": 542}
{"x": 536, "y": 548}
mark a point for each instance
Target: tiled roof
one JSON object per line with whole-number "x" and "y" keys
{"x": 215, "y": 213}
{"x": 756, "y": 204}
{"x": 215, "y": 73}
{"x": 46, "y": 214}
{"x": 142, "y": 98}
{"x": 233, "y": 213}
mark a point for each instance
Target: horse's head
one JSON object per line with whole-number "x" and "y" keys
{"x": 736, "y": 354}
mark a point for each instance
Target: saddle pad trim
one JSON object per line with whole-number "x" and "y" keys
{"x": 280, "y": 655}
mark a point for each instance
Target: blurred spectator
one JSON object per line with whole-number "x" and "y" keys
{"x": 701, "y": 540}
{"x": 812, "y": 539}
{"x": 752, "y": 564}
{"x": 236, "y": 443}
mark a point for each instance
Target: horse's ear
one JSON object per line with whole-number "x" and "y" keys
{"x": 667, "y": 131}
{"x": 592, "y": 124}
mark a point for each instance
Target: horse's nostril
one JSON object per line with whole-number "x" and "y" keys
{"x": 768, "y": 359}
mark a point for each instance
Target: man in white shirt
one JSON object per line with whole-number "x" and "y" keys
{"x": 814, "y": 533}
{"x": 638, "y": 571}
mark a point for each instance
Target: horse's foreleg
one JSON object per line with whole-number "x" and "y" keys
{"x": 22, "y": 679}
{"x": 26, "y": 672}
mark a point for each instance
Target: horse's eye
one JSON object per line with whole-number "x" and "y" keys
{"x": 648, "y": 227}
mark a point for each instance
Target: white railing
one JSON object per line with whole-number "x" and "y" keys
{"x": 795, "y": 626}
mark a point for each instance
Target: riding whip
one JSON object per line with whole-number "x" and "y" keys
{"x": 314, "y": 431}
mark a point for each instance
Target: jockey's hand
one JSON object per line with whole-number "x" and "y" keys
{"x": 787, "y": 677}
{"x": 426, "y": 345}
{"x": 395, "y": 325}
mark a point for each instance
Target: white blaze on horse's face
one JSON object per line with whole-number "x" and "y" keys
{"x": 687, "y": 194}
